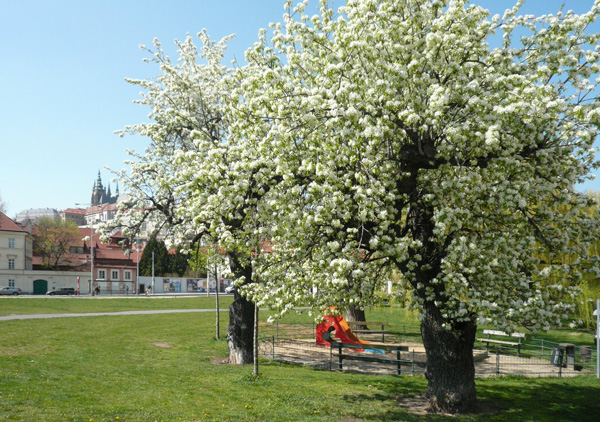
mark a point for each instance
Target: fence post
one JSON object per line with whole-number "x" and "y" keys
{"x": 340, "y": 356}
{"x": 498, "y": 361}
{"x": 413, "y": 362}
{"x": 560, "y": 367}
{"x": 398, "y": 359}
{"x": 273, "y": 338}
{"x": 277, "y": 329}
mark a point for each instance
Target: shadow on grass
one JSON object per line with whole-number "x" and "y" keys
{"x": 511, "y": 399}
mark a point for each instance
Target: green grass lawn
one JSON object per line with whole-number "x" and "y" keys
{"x": 169, "y": 367}
{"x": 67, "y": 304}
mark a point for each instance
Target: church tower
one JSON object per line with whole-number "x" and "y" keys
{"x": 98, "y": 192}
{"x": 100, "y": 195}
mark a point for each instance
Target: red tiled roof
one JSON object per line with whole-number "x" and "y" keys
{"x": 8, "y": 225}
{"x": 74, "y": 211}
{"x": 111, "y": 254}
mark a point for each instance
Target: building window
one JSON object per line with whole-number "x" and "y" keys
{"x": 101, "y": 274}
{"x": 76, "y": 249}
{"x": 11, "y": 283}
{"x": 11, "y": 243}
{"x": 11, "y": 263}
{"x": 114, "y": 274}
{"x": 127, "y": 275}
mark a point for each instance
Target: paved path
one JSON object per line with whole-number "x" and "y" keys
{"x": 88, "y": 314}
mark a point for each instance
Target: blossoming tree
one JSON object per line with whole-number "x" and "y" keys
{"x": 404, "y": 144}
{"x": 195, "y": 182}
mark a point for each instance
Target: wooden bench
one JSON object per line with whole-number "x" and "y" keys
{"x": 382, "y": 331}
{"x": 371, "y": 353}
{"x": 502, "y": 334}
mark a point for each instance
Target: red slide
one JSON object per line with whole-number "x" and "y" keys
{"x": 342, "y": 331}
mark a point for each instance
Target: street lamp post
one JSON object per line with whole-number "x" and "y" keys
{"x": 91, "y": 251}
{"x": 137, "y": 268}
{"x": 597, "y": 337}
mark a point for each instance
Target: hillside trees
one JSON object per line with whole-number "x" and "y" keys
{"x": 404, "y": 143}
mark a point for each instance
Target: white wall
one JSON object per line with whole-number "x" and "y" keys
{"x": 56, "y": 279}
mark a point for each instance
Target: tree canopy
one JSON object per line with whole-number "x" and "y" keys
{"x": 389, "y": 138}
{"x": 405, "y": 143}
{"x": 52, "y": 239}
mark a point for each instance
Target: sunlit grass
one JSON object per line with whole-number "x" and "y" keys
{"x": 169, "y": 367}
{"x": 69, "y": 304}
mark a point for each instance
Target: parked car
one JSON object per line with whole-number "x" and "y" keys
{"x": 229, "y": 289}
{"x": 62, "y": 291}
{"x": 11, "y": 291}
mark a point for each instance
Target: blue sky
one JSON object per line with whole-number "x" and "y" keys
{"x": 63, "y": 67}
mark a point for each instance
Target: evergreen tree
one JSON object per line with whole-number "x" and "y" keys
{"x": 161, "y": 259}
{"x": 178, "y": 263}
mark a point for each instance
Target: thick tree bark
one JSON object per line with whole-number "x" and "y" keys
{"x": 354, "y": 313}
{"x": 450, "y": 370}
{"x": 240, "y": 332}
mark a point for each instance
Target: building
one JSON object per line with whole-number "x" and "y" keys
{"x": 98, "y": 214}
{"x": 114, "y": 266}
{"x": 16, "y": 250}
{"x": 33, "y": 215}
{"x": 76, "y": 215}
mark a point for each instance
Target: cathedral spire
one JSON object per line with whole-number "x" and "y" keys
{"x": 99, "y": 181}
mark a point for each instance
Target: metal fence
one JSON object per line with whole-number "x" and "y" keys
{"x": 295, "y": 343}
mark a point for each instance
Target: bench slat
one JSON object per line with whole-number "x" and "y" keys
{"x": 374, "y": 359}
{"x": 502, "y": 333}
{"x": 369, "y": 346}
{"x": 487, "y": 340}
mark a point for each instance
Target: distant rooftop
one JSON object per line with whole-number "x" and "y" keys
{"x": 6, "y": 224}
{"x": 80, "y": 211}
{"x": 34, "y": 214}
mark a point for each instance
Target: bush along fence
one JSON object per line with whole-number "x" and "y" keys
{"x": 404, "y": 355}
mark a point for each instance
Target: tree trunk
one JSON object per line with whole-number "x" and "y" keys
{"x": 218, "y": 322}
{"x": 450, "y": 369}
{"x": 354, "y": 313}
{"x": 255, "y": 341}
{"x": 240, "y": 332}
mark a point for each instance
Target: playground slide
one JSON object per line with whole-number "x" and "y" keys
{"x": 342, "y": 330}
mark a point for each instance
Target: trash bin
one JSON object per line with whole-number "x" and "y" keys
{"x": 585, "y": 353}
{"x": 556, "y": 358}
{"x": 570, "y": 353}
